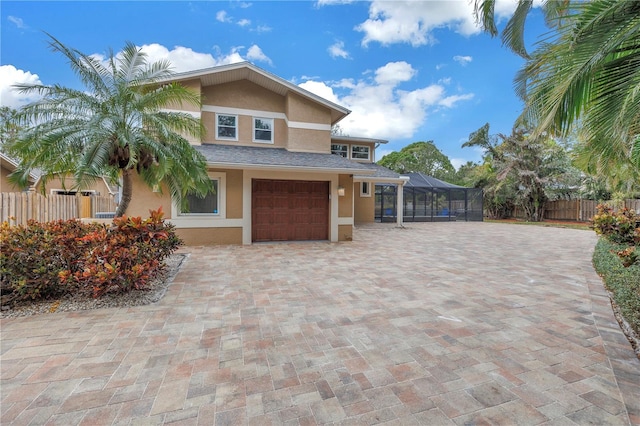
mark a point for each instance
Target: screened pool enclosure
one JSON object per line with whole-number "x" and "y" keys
{"x": 427, "y": 199}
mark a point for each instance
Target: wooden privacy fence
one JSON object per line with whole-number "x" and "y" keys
{"x": 578, "y": 210}
{"x": 19, "y": 207}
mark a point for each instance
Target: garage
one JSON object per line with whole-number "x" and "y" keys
{"x": 289, "y": 210}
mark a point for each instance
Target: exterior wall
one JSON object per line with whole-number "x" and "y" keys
{"x": 210, "y": 236}
{"x": 144, "y": 199}
{"x": 67, "y": 183}
{"x": 345, "y": 233}
{"x": 345, "y": 208}
{"x": 309, "y": 140}
{"x": 306, "y": 111}
{"x": 5, "y": 185}
{"x": 234, "y": 194}
{"x": 364, "y": 207}
{"x": 193, "y": 85}
{"x": 243, "y": 94}
{"x": 309, "y": 125}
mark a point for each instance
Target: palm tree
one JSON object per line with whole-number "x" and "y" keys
{"x": 115, "y": 127}
{"x": 513, "y": 33}
{"x": 583, "y": 77}
{"x": 587, "y": 77}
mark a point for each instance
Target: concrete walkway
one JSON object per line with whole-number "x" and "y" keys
{"x": 439, "y": 323}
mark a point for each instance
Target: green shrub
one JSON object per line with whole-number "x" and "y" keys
{"x": 125, "y": 257}
{"x": 621, "y": 227}
{"x": 53, "y": 259}
{"x": 32, "y": 257}
{"x": 623, "y": 282}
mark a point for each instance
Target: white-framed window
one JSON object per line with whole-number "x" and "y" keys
{"x": 360, "y": 152}
{"x": 340, "y": 149}
{"x": 84, "y": 193}
{"x": 365, "y": 189}
{"x": 263, "y": 130}
{"x": 212, "y": 205}
{"x": 227, "y": 127}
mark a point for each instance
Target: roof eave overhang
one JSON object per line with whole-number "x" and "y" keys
{"x": 279, "y": 167}
{"x": 378, "y": 179}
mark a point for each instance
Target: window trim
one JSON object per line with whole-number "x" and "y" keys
{"x": 362, "y": 191}
{"x": 265, "y": 119}
{"x": 346, "y": 152}
{"x": 221, "y": 177}
{"x": 361, "y": 146}
{"x": 223, "y": 138}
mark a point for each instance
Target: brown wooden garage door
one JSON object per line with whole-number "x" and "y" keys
{"x": 289, "y": 210}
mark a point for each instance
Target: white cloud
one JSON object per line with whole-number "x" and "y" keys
{"x": 18, "y": 22}
{"x": 185, "y": 59}
{"x": 394, "y": 73}
{"x": 380, "y": 107}
{"x": 413, "y": 22}
{"x": 262, "y": 29}
{"x": 336, "y": 50}
{"x": 222, "y": 16}
{"x": 450, "y": 101}
{"x": 244, "y": 22}
{"x": 254, "y": 53}
{"x": 10, "y": 75}
{"x": 462, "y": 60}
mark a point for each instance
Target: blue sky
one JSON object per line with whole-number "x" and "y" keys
{"x": 408, "y": 70}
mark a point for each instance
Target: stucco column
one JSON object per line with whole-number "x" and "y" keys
{"x": 400, "y": 204}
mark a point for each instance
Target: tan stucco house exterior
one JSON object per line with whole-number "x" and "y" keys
{"x": 279, "y": 173}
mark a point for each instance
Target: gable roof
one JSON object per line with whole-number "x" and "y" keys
{"x": 11, "y": 164}
{"x": 249, "y": 157}
{"x": 248, "y": 71}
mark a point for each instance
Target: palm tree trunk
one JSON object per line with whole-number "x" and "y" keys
{"x": 127, "y": 192}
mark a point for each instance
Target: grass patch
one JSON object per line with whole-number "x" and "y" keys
{"x": 623, "y": 283}
{"x": 547, "y": 223}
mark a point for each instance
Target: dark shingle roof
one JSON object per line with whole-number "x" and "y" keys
{"x": 420, "y": 180}
{"x": 229, "y": 155}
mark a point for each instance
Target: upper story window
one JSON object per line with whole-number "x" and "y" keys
{"x": 360, "y": 152}
{"x": 227, "y": 127}
{"x": 263, "y": 130}
{"x": 340, "y": 149}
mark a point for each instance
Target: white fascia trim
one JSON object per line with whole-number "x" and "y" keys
{"x": 206, "y": 222}
{"x": 345, "y": 221}
{"x": 401, "y": 180}
{"x": 266, "y": 114}
{"x": 195, "y": 114}
{"x": 285, "y": 168}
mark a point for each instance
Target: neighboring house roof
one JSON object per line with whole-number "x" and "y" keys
{"x": 420, "y": 180}
{"x": 248, "y": 157}
{"x": 11, "y": 164}
{"x": 248, "y": 71}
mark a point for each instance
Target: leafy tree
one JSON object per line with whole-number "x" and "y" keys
{"x": 114, "y": 127}
{"x": 422, "y": 157}
{"x": 532, "y": 170}
{"x": 9, "y": 126}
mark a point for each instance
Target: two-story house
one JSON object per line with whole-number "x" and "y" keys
{"x": 278, "y": 172}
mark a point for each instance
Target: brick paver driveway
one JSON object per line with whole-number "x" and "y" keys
{"x": 439, "y": 323}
